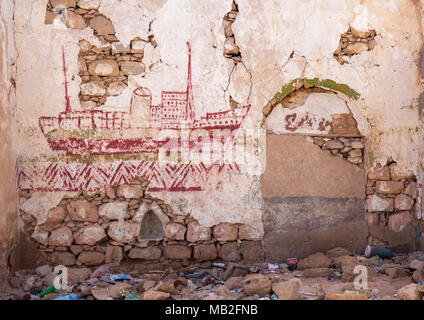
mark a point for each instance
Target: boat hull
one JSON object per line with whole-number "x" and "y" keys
{"x": 216, "y": 140}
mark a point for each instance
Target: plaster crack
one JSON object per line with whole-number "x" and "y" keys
{"x": 228, "y": 85}
{"x": 232, "y": 51}
{"x": 251, "y": 81}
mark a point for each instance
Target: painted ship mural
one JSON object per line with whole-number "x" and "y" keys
{"x": 144, "y": 129}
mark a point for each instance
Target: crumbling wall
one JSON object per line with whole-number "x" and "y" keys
{"x": 345, "y": 74}
{"x": 364, "y": 77}
{"x": 8, "y": 193}
{"x": 313, "y": 187}
{"x": 127, "y": 223}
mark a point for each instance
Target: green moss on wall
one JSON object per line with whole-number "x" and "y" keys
{"x": 288, "y": 88}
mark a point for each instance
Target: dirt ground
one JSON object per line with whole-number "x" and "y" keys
{"x": 328, "y": 276}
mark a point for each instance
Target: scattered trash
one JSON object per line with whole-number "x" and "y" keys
{"x": 306, "y": 293}
{"x": 273, "y": 267}
{"x": 111, "y": 278}
{"x": 201, "y": 275}
{"x": 47, "y": 291}
{"x": 129, "y": 294}
{"x": 231, "y": 271}
{"x": 35, "y": 291}
{"x": 115, "y": 277}
{"x": 219, "y": 265}
{"x": 292, "y": 264}
{"x": 107, "y": 279}
{"x": 253, "y": 269}
{"x": 191, "y": 285}
{"x": 383, "y": 253}
{"x": 71, "y": 296}
{"x": 6, "y": 296}
{"x": 104, "y": 269}
{"x": 336, "y": 273}
{"x": 205, "y": 281}
{"x": 420, "y": 287}
{"x": 360, "y": 258}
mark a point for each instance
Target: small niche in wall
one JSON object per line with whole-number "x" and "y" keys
{"x": 151, "y": 227}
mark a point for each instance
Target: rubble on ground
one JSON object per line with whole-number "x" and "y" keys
{"x": 320, "y": 276}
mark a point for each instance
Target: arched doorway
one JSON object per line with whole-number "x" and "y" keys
{"x": 314, "y": 184}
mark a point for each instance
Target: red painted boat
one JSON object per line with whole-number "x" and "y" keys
{"x": 146, "y": 128}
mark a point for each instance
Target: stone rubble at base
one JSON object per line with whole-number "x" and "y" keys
{"x": 388, "y": 279}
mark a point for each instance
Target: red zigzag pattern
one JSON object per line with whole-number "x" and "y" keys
{"x": 61, "y": 176}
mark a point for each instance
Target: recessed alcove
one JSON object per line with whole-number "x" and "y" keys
{"x": 153, "y": 222}
{"x": 151, "y": 227}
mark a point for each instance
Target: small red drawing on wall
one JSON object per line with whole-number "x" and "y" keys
{"x": 293, "y": 122}
{"x": 138, "y": 131}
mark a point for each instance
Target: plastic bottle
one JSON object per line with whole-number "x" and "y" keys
{"x": 47, "y": 291}
{"x": 72, "y": 296}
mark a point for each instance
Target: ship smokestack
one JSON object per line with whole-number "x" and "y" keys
{"x": 140, "y": 109}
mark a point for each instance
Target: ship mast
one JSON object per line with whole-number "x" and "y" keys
{"x": 68, "y": 103}
{"x": 189, "y": 105}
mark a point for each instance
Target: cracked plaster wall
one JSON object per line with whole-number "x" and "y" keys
{"x": 279, "y": 41}
{"x": 8, "y": 194}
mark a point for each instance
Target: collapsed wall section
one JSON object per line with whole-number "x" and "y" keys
{"x": 127, "y": 223}
{"x": 314, "y": 182}
{"x": 239, "y": 56}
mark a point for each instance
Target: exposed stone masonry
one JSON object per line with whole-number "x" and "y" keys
{"x": 295, "y": 93}
{"x": 349, "y": 149}
{"x": 231, "y": 50}
{"x": 343, "y": 140}
{"x": 103, "y": 69}
{"x": 125, "y": 222}
{"x": 391, "y": 198}
{"x": 354, "y": 42}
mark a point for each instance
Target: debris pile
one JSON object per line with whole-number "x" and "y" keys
{"x": 329, "y": 276}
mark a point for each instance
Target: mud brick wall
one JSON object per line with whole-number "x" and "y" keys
{"x": 126, "y": 223}
{"x": 314, "y": 194}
